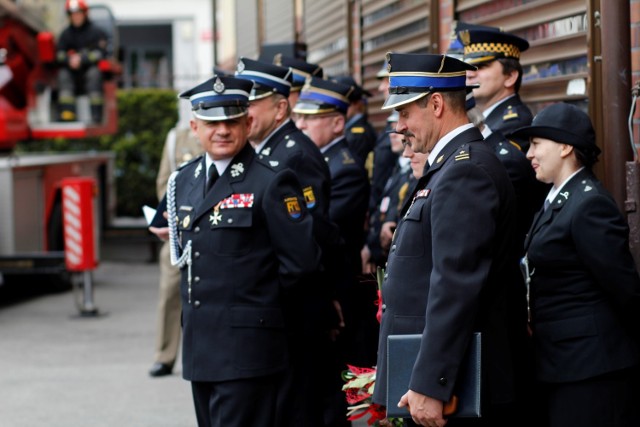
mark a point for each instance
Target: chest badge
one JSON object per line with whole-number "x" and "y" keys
{"x": 216, "y": 217}
{"x": 186, "y": 221}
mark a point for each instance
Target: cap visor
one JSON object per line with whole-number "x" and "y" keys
{"x": 220, "y": 113}
{"x": 480, "y": 59}
{"x": 394, "y": 100}
{"x": 302, "y": 107}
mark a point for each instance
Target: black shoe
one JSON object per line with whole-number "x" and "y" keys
{"x": 160, "y": 370}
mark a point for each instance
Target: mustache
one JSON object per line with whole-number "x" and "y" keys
{"x": 408, "y": 134}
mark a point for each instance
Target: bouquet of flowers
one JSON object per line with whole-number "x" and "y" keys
{"x": 359, "y": 384}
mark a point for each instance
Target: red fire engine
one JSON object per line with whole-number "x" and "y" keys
{"x": 31, "y": 230}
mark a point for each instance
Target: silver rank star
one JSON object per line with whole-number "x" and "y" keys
{"x": 196, "y": 173}
{"x": 291, "y": 143}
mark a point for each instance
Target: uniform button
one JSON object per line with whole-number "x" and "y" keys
{"x": 384, "y": 307}
{"x": 386, "y": 275}
{"x": 230, "y": 220}
{"x": 442, "y": 381}
{"x": 196, "y": 230}
{"x": 262, "y": 321}
{"x": 393, "y": 248}
{"x": 196, "y": 304}
{"x": 196, "y": 279}
{"x": 197, "y": 255}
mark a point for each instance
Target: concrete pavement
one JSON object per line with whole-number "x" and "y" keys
{"x": 57, "y": 369}
{"x": 61, "y": 370}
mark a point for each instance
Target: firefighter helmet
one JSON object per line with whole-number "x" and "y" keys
{"x": 76, "y": 6}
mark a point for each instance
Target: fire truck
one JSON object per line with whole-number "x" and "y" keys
{"x": 31, "y": 208}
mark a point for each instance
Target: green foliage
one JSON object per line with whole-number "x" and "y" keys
{"x": 145, "y": 116}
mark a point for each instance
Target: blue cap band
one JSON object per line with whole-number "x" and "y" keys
{"x": 315, "y": 96}
{"x": 441, "y": 82}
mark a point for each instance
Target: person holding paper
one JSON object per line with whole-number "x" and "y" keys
{"x": 452, "y": 243}
{"x": 242, "y": 236}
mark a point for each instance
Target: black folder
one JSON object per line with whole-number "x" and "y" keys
{"x": 159, "y": 220}
{"x": 402, "y": 351}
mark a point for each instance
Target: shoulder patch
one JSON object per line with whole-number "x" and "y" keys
{"x": 510, "y": 114}
{"x": 309, "y": 197}
{"x": 588, "y": 185}
{"x": 515, "y": 144}
{"x": 463, "y": 154}
{"x": 293, "y": 207}
{"x": 346, "y": 158}
{"x": 357, "y": 129}
{"x": 268, "y": 162}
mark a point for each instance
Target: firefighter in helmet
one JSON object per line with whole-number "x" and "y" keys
{"x": 80, "y": 48}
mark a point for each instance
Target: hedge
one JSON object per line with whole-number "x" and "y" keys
{"x": 145, "y": 118}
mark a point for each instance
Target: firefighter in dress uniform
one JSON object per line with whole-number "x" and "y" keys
{"x": 498, "y": 77}
{"x": 444, "y": 273}
{"x": 278, "y": 141}
{"x": 240, "y": 231}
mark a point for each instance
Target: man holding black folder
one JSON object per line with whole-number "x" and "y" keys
{"x": 443, "y": 276}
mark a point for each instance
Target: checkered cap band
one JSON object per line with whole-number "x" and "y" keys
{"x": 503, "y": 49}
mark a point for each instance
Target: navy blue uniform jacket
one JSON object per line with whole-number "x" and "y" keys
{"x": 509, "y": 116}
{"x": 443, "y": 278}
{"x": 349, "y": 199}
{"x": 361, "y": 137}
{"x": 258, "y": 242}
{"x": 585, "y": 290}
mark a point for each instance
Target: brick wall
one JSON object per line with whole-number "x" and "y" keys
{"x": 446, "y": 23}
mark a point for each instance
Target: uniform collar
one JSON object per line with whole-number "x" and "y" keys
{"x": 445, "y": 140}
{"x": 489, "y": 110}
{"x": 221, "y": 165}
{"x": 555, "y": 191}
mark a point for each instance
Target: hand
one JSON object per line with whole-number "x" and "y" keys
{"x": 75, "y": 60}
{"x": 333, "y": 333}
{"x": 161, "y": 232}
{"x": 424, "y": 410}
{"x": 386, "y": 234}
{"x": 368, "y": 267}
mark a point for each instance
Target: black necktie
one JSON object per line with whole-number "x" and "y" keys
{"x": 211, "y": 179}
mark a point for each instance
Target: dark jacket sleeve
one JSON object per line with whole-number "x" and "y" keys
{"x": 290, "y": 228}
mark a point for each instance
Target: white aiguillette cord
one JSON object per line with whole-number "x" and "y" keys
{"x": 174, "y": 244}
